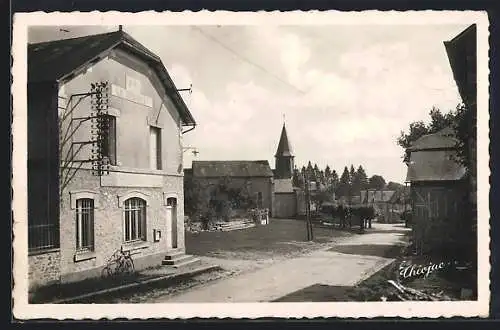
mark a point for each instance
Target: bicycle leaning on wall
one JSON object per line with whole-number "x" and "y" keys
{"x": 120, "y": 263}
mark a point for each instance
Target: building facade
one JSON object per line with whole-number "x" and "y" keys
{"x": 105, "y": 157}
{"x": 381, "y": 202}
{"x": 438, "y": 190}
{"x": 255, "y": 178}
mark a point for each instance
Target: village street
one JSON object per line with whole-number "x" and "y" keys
{"x": 343, "y": 263}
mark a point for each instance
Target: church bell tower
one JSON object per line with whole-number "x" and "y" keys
{"x": 284, "y": 157}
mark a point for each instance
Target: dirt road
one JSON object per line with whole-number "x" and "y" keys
{"x": 344, "y": 263}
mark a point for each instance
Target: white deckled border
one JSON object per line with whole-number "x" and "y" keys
{"x": 23, "y": 310}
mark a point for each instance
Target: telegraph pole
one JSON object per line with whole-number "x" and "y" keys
{"x": 308, "y": 208}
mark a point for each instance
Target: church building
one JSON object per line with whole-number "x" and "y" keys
{"x": 285, "y": 199}
{"x": 273, "y": 189}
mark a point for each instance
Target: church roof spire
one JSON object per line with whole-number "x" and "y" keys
{"x": 284, "y": 148}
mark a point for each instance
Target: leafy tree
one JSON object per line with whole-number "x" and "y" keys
{"x": 320, "y": 197}
{"x": 466, "y": 132}
{"x": 418, "y": 129}
{"x": 376, "y": 182}
{"x": 462, "y": 120}
{"x": 196, "y": 197}
{"x": 440, "y": 120}
{"x": 394, "y": 186}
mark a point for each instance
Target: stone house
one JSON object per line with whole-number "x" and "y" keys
{"x": 105, "y": 126}
{"x": 252, "y": 176}
{"x": 272, "y": 188}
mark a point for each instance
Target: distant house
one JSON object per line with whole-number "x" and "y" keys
{"x": 254, "y": 176}
{"x": 438, "y": 187}
{"x": 103, "y": 164}
{"x": 272, "y": 188}
{"x": 380, "y": 200}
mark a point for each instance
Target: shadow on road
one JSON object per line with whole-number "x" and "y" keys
{"x": 318, "y": 293}
{"x": 375, "y": 250}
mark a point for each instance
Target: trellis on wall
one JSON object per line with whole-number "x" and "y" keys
{"x": 70, "y": 150}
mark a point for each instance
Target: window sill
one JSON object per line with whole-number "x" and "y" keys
{"x": 133, "y": 170}
{"x": 42, "y": 251}
{"x": 84, "y": 256}
{"x": 135, "y": 246}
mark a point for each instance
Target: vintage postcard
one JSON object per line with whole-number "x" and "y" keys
{"x": 245, "y": 165}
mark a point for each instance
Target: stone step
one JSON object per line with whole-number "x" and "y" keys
{"x": 190, "y": 262}
{"x": 177, "y": 260}
{"x": 239, "y": 227}
{"x": 174, "y": 255}
{"x": 233, "y": 223}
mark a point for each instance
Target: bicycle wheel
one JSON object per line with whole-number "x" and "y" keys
{"x": 128, "y": 266}
{"x": 106, "y": 272}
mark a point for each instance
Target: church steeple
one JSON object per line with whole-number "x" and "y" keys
{"x": 284, "y": 148}
{"x": 284, "y": 157}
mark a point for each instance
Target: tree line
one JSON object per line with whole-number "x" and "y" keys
{"x": 350, "y": 183}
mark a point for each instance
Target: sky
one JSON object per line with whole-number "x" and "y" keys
{"x": 344, "y": 92}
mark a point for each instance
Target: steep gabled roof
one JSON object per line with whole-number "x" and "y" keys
{"x": 461, "y": 51}
{"x": 432, "y": 165}
{"x": 284, "y": 148}
{"x": 59, "y": 60}
{"x": 232, "y": 168}
{"x": 432, "y": 158}
{"x": 444, "y": 139}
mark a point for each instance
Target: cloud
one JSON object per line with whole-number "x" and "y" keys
{"x": 358, "y": 91}
{"x": 349, "y": 115}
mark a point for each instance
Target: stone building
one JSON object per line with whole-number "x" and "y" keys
{"x": 107, "y": 179}
{"x": 272, "y": 189}
{"x": 286, "y": 197}
{"x": 253, "y": 176}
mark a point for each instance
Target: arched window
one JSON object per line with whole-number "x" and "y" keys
{"x": 172, "y": 201}
{"x": 134, "y": 228}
